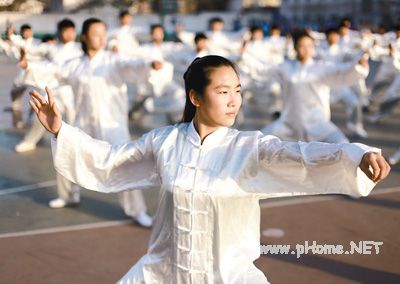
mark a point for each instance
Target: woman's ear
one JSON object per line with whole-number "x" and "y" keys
{"x": 194, "y": 98}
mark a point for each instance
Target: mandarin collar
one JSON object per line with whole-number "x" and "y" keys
{"x": 95, "y": 59}
{"x": 308, "y": 63}
{"x": 125, "y": 27}
{"x": 213, "y": 139}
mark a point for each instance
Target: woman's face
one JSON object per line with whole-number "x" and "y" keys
{"x": 221, "y": 100}
{"x": 27, "y": 33}
{"x": 157, "y": 35}
{"x": 126, "y": 20}
{"x": 333, "y": 38}
{"x": 305, "y": 49}
{"x": 68, "y": 35}
{"x": 96, "y": 37}
{"x": 257, "y": 35}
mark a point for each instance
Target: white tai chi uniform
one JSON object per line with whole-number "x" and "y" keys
{"x": 123, "y": 41}
{"x": 223, "y": 43}
{"x": 64, "y": 98}
{"x": 101, "y": 102}
{"x": 276, "y": 48}
{"x": 182, "y": 59}
{"x": 306, "y": 104}
{"x": 207, "y": 226}
{"x": 256, "y": 54}
{"x": 32, "y": 47}
{"x": 123, "y": 38}
{"x": 59, "y": 54}
{"x": 391, "y": 97}
{"x": 351, "y": 98}
{"x": 8, "y": 49}
{"x": 166, "y": 96}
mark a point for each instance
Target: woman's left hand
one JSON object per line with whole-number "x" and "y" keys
{"x": 374, "y": 166}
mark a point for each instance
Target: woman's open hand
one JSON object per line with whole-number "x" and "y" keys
{"x": 379, "y": 167}
{"x": 46, "y": 111}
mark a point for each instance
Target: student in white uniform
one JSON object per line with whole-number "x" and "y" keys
{"x": 255, "y": 54}
{"x": 98, "y": 82}
{"x": 184, "y": 36}
{"x": 26, "y": 41}
{"x": 66, "y": 49}
{"x": 390, "y": 101}
{"x": 22, "y": 44}
{"x": 305, "y": 88}
{"x": 212, "y": 177}
{"x": 122, "y": 39}
{"x": 331, "y": 52}
{"x": 220, "y": 42}
{"x": 277, "y": 45}
{"x": 352, "y": 41}
{"x": 388, "y": 69}
{"x": 349, "y": 39}
{"x": 8, "y": 49}
{"x": 164, "y": 94}
{"x": 181, "y": 60}
{"x": 391, "y": 96}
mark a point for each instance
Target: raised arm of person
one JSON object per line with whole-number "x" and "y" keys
{"x": 299, "y": 168}
{"x": 134, "y": 69}
{"x": 44, "y": 73}
{"x": 267, "y": 71}
{"x": 343, "y": 74}
{"x": 42, "y": 51}
{"x": 94, "y": 164}
{"x": 16, "y": 40}
{"x": 9, "y": 50}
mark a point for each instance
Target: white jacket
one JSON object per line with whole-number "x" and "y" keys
{"x": 100, "y": 91}
{"x": 306, "y": 95}
{"x": 207, "y": 225}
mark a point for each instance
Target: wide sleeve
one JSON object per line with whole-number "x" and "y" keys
{"x": 341, "y": 74}
{"x": 132, "y": 69}
{"x": 270, "y": 72}
{"x": 46, "y": 73}
{"x": 17, "y": 41}
{"x": 100, "y": 166}
{"x": 43, "y": 50}
{"x": 9, "y": 50}
{"x": 299, "y": 168}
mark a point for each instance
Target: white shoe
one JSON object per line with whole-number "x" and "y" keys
{"x": 143, "y": 219}
{"x": 395, "y": 158}
{"x": 357, "y": 130}
{"x": 61, "y": 203}
{"x": 24, "y": 147}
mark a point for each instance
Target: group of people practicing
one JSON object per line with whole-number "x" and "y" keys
{"x": 211, "y": 176}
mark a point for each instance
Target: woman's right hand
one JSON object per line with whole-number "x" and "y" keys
{"x": 46, "y": 111}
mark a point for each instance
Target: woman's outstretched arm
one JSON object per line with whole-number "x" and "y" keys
{"x": 95, "y": 164}
{"x": 299, "y": 168}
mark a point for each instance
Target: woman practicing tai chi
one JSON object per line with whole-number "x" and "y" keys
{"x": 206, "y": 228}
{"x": 97, "y": 79}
